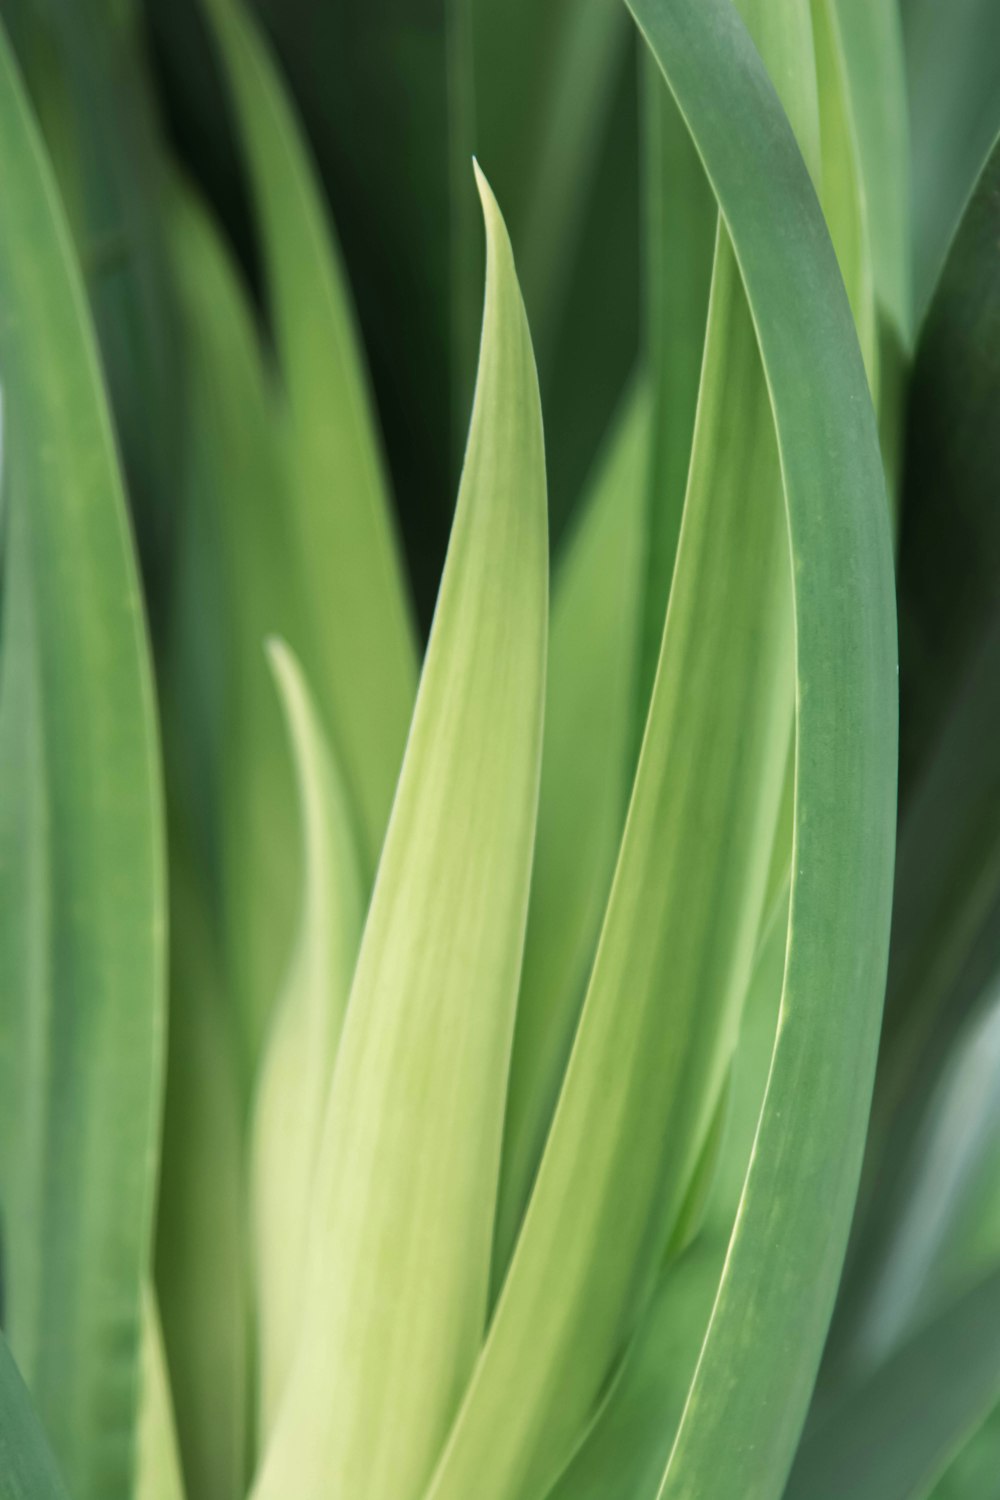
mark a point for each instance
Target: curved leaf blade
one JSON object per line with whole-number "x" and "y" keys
{"x": 27, "y": 1469}
{"x": 361, "y": 656}
{"x": 81, "y": 855}
{"x": 297, "y": 1065}
{"x": 658, "y": 1023}
{"x": 589, "y": 698}
{"x": 747, "y": 1399}
{"x": 413, "y": 1130}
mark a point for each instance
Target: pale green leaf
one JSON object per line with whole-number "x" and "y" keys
{"x": 872, "y": 40}
{"x": 158, "y": 1474}
{"x": 297, "y": 1065}
{"x": 398, "y": 1276}
{"x": 659, "y": 1020}
{"x": 681, "y": 218}
{"x": 81, "y": 855}
{"x": 360, "y": 656}
{"x": 589, "y": 698}
{"x": 626, "y": 1449}
{"x": 841, "y": 192}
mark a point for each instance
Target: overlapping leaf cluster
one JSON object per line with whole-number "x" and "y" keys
{"x": 436, "y": 1072}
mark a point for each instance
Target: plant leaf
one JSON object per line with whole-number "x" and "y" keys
{"x": 972, "y": 1469}
{"x": 201, "y": 1272}
{"x": 681, "y": 220}
{"x": 158, "y": 1470}
{"x": 644, "y": 1077}
{"x": 413, "y": 1131}
{"x": 588, "y": 709}
{"x": 872, "y": 40}
{"x": 236, "y": 581}
{"x": 88, "y": 80}
{"x": 953, "y": 83}
{"x": 81, "y": 856}
{"x": 297, "y": 1065}
{"x": 844, "y": 206}
{"x": 884, "y": 1440}
{"x": 748, "y": 1395}
{"x": 27, "y": 1469}
{"x": 361, "y": 656}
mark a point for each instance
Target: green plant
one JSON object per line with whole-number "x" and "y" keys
{"x": 436, "y": 1073}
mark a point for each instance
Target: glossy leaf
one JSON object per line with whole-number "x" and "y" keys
{"x": 360, "y": 657}
{"x": 585, "y": 764}
{"x": 81, "y": 856}
{"x": 298, "y": 1061}
{"x": 413, "y": 1130}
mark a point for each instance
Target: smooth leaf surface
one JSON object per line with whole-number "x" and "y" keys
{"x": 585, "y": 765}
{"x": 894, "y": 1431}
{"x": 87, "y": 75}
{"x": 298, "y": 1061}
{"x": 201, "y": 1251}
{"x": 953, "y": 83}
{"x": 645, "y": 1073}
{"x": 361, "y": 655}
{"x": 681, "y": 220}
{"x": 763, "y": 1342}
{"x": 81, "y": 856}
{"x": 407, "y": 1175}
{"x": 841, "y": 195}
{"x": 973, "y": 1468}
{"x": 27, "y": 1469}
{"x": 158, "y": 1475}
{"x": 872, "y": 39}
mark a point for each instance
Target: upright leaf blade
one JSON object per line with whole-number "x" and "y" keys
{"x": 298, "y": 1062}
{"x": 886, "y": 1440}
{"x": 27, "y": 1468}
{"x": 81, "y": 856}
{"x": 747, "y": 1399}
{"x": 872, "y": 38}
{"x": 406, "y": 1183}
{"x": 361, "y": 657}
{"x": 158, "y": 1475}
{"x": 663, "y": 1001}
{"x": 585, "y": 765}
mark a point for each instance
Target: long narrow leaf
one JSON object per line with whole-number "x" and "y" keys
{"x": 27, "y": 1468}
{"x": 591, "y": 681}
{"x": 298, "y": 1061}
{"x": 658, "y": 1023}
{"x": 747, "y": 1399}
{"x": 81, "y": 856}
{"x": 361, "y": 657}
{"x": 398, "y": 1276}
